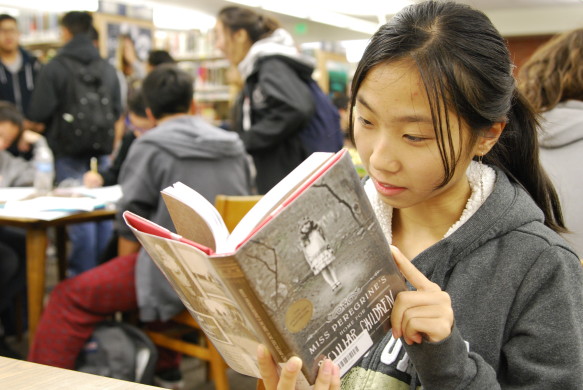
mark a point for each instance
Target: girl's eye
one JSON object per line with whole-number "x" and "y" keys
{"x": 413, "y": 138}
{"x": 364, "y": 122}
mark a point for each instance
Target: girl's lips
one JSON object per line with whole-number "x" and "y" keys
{"x": 387, "y": 189}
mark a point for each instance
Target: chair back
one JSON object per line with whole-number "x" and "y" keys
{"x": 234, "y": 207}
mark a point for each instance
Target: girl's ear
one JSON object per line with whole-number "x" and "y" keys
{"x": 489, "y": 137}
{"x": 241, "y": 36}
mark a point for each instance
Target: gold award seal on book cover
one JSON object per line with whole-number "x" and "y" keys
{"x": 298, "y": 315}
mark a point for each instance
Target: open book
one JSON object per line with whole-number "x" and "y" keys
{"x": 307, "y": 272}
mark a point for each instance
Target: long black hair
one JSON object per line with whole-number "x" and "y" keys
{"x": 465, "y": 67}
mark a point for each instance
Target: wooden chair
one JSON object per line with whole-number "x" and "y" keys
{"x": 232, "y": 209}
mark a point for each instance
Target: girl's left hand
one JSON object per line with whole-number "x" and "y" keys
{"x": 328, "y": 375}
{"x": 422, "y": 314}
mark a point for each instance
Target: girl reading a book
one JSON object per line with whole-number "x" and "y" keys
{"x": 450, "y": 147}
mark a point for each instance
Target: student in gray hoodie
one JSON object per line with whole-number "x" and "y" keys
{"x": 450, "y": 145}
{"x": 552, "y": 80}
{"x": 182, "y": 148}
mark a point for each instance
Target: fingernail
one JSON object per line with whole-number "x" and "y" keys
{"x": 396, "y": 334}
{"x": 327, "y": 366}
{"x": 293, "y": 364}
{"x": 260, "y": 351}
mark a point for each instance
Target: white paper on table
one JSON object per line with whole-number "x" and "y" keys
{"x": 109, "y": 194}
{"x": 54, "y": 203}
{"x": 15, "y": 193}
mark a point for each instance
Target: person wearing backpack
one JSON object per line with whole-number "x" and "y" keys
{"x": 281, "y": 115}
{"x": 78, "y": 98}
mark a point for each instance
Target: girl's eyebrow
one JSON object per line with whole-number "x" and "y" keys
{"x": 415, "y": 118}
{"x": 362, "y": 101}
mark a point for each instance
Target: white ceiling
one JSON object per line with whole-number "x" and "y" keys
{"x": 512, "y": 17}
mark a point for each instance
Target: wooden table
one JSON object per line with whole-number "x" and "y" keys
{"x": 22, "y": 375}
{"x": 36, "y": 246}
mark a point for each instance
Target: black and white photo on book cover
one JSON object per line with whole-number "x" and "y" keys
{"x": 207, "y": 300}
{"x": 323, "y": 271}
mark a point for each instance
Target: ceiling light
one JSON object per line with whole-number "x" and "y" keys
{"x": 56, "y": 6}
{"x": 178, "y": 18}
{"x": 364, "y": 7}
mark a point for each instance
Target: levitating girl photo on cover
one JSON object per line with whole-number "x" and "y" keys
{"x": 317, "y": 252}
{"x": 450, "y": 148}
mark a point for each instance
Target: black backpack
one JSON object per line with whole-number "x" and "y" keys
{"x": 323, "y": 132}
{"x": 84, "y": 125}
{"x": 121, "y": 351}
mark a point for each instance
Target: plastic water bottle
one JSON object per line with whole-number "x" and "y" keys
{"x": 45, "y": 170}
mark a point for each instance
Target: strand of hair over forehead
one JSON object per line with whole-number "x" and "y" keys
{"x": 445, "y": 83}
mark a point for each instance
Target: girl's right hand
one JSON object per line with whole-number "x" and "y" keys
{"x": 328, "y": 375}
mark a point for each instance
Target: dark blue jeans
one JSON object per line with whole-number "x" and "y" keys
{"x": 88, "y": 240}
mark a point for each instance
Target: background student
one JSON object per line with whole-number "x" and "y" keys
{"x": 552, "y": 80}
{"x": 275, "y": 103}
{"x": 451, "y": 148}
{"x": 14, "y": 172}
{"x": 182, "y": 148}
{"x": 48, "y": 104}
{"x": 18, "y": 75}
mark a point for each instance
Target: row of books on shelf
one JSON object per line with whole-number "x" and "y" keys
{"x": 185, "y": 45}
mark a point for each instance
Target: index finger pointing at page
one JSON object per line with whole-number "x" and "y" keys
{"x": 411, "y": 273}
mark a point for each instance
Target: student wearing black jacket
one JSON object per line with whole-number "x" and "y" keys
{"x": 47, "y": 103}
{"x": 18, "y": 68}
{"x": 275, "y": 103}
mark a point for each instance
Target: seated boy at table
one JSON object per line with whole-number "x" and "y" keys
{"x": 181, "y": 148}
{"x": 14, "y": 172}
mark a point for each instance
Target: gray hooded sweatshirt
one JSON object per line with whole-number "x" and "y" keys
{"x": 15, "y": 171}
{"x": 561, "y": 150}
{"x": 186, "y": 149}
{"x": 517, "y": 294}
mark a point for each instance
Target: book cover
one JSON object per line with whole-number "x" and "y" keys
{"x": 314, "y": 279}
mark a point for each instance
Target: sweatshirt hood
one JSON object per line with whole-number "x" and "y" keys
{"x": 191, "y": 137}
{"x": 508, "y": 208}
{"x": 563, "y": 125}
{"x": 80, "y": 48}
{"x": 279, "y": 43}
